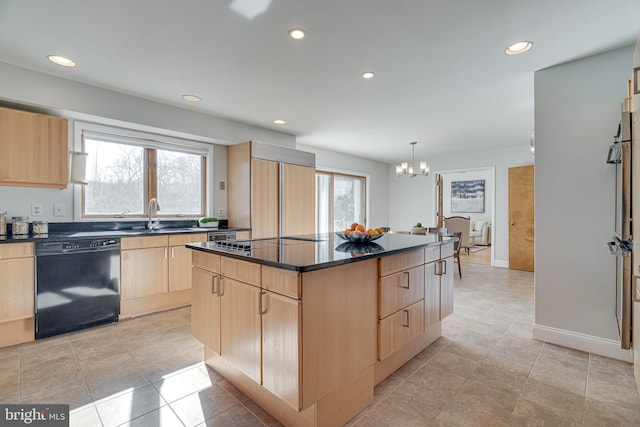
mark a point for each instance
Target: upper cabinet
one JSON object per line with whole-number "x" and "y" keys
{"x": 35, "y": 150}
{"x": 271, "y": 189}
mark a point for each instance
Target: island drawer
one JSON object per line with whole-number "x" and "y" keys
{"x": 399, "y": 290}
{"x": 281, "y": 281}
{"x": 183, "y": 239}
{"x": 247, "y": 272}
{"x": 432, "y": 253}
{"x": 402, "y": 261}
{"x": 446, "y": 250}
{"x": 396, "y": 330}
{"x": 206, "y": 261}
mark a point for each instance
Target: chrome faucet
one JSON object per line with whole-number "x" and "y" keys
{"x": 153, "y": 223}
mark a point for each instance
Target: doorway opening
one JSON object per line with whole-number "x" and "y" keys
{"x": 470, "y": 193}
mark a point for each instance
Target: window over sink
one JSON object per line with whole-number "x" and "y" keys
{"x": 125, "y": 171}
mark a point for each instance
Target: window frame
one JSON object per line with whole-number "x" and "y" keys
{"x": 150, "y": 142}
{"x": 333, "y": 174}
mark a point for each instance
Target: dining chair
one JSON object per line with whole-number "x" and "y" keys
{"x": 456, "y": 250}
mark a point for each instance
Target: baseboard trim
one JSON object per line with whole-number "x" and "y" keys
{"x": 501, "y": 263}
{"x": 589, "y": 343}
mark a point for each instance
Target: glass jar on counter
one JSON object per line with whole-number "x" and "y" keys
{"x": 20, "y": 225}
{"x": 3, "y": 223}
{"x": 40, "y": 227}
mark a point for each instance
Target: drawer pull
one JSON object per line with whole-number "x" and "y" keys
{"x": 444, "y": 268}
{"x": 260, "y": 311}
{"x": 407, "y": 313}
{"x": 213, "y": 284}
{"x": 438, "y": 271}
{"x": 408, "y": 276}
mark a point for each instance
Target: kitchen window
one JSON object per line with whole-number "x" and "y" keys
{"x": 340, "y": 201}
{"x": 124, "y": 173}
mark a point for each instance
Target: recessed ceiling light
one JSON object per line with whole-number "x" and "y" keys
{"x": 297, "y": 33}
{"x": 368, "y": 75}
{"x": 191, "y": 98}
{"x": 518, "y": 48}
{"x": 61, "y": 60}
{"x": 279, "y": 122}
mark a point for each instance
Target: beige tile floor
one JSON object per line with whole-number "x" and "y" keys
{"x": 485, "y": 370}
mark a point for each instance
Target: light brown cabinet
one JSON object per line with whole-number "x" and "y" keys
{"x": 155, "y": 272}
{"x": 35, "y": 149}
{"x": 399, "y": 328}
{"x": 268, "y": 192}
{"x": 17, "y": 287}
{"x": 205, "y": 309}
{"x": 446, "y": 273}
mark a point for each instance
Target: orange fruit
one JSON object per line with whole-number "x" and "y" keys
{"x": 372, "y": 232}
{"x": 347, "y": 231}
{"x": 354, "y": 225}
{"x": 379, "y": 230}
{"x": 361, "y": 228}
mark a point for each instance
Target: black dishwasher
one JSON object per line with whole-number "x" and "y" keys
{"x": 77, "y": 285}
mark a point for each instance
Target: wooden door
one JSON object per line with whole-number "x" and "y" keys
{"x": 521, "y": 218}
{"x": 205, "y": 309}
{"x": 299, "y": 200}
{"x": 265, "y": 179}
{"x": 144, "y": 272}
{"x": 281, "y": 347}
{"x": 240, "y": 326}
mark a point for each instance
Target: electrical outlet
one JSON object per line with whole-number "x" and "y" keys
{"x": 36, "y": 210}
{"x": 222, "y": 185}
{"x": 220, "y": 212}
{"x": 58, "y": 209}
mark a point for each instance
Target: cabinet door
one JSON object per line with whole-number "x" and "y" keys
{"x": 399, "y": 328}
{"x": 17, "y": 288}
{"x": 35, "y": 149}
{"x": 299, "y": 200}
{"x": 432, "y": 293}
{"x": 143, "y": 272}
{"x": 240, "y": 326}
{"x": 179, "y": 268}
{"x": 205, "y": 309}
{"x": 446, "y": 288}
{"x": 281, "y": 352}
{"x": 265, "y": 199}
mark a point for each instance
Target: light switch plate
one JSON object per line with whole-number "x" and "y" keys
{"x": 58, "y": 209}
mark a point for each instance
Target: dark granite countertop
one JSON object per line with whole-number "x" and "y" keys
{"x": 95, "y": 230}
{"x": 318, "y": 251}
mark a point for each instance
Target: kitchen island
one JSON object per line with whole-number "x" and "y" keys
{"x": 306, "y": 326}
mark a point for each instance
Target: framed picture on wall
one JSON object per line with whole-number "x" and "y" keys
{"x": 467, "y": 196}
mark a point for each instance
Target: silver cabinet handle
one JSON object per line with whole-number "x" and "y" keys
{"x": 444, "y": 269}
{"x": 408, "y": 276}
{"x": 220, "y": 287}
{"x": 213, "y": 284}
{"x": 260, "y": 311}
{"x": 437, "y": 270}
{"x": 407, "y": 313}
{"x": 165, "y": 253}
{"x": 172, "y": 256}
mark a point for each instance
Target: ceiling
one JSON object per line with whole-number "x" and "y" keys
{"x": 442, "y": 77}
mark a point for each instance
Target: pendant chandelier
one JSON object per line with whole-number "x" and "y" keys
{"x": 404, "y": 168}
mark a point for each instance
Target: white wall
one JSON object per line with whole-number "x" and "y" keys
{"x": 489, "y": 184}
{"x": 412, "y": 200}
{"x": 377, "y": 179}
{"x": 577, "y": 111}
{"x": 35, "y": 91}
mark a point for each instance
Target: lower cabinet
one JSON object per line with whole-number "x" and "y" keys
{"x": 17, "y": 287}
{"x": 156, "y": 272}
{"x": 447, "y": 273}
{"x": 240, "y": 326}
{"x": 205, "y": 308}
{"x": 281, "y": 341}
